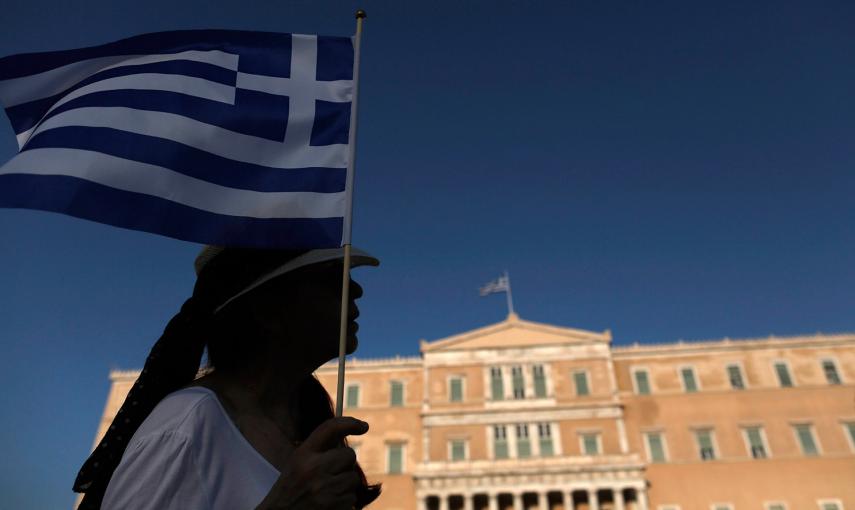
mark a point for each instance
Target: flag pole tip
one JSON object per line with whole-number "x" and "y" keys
{"x": 360, "y": 14}
{"x": 513, "y": 317}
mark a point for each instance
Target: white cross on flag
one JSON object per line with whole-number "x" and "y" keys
{"x": 214, "y": 136}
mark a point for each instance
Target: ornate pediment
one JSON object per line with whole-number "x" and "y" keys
{"x": 515, "y": 332}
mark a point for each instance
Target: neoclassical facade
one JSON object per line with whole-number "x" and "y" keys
{"x": 522, "y": 415}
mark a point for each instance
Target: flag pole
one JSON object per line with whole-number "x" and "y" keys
{"x": 348, "y": 219}
{"x": 508, "y": 293}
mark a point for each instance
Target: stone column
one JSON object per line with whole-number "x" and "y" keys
{"x": 493, "y": 501}
{"x": 569, "y": 504}
{"x": 518, "y": 502}
{"x": 443, "y": 502}
{"x": 618, "y": 498}
{"x": 467, "y": 502}
{"x": 543, "y": 500}
{"x": 421, "y": 503}
{"x": 593, "y": 500}
{"x": 641, "y": 494}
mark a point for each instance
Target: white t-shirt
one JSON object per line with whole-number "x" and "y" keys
{"x": 187, "y": 455}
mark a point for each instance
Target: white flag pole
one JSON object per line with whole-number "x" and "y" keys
{"x": 508, "y": 292}
{"x": 348, "y": 219}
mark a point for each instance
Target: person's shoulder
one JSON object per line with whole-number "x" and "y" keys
{"x": 181, "y": 412}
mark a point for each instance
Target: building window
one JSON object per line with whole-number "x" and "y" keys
{"x": 352, "y": 396}
{"x": 706, "y": 449}
{"x": 580, "y": 378}
{"x": 721, "y": 506}
{"x": 458, "y": 449}
{"x": 755, "y": 442}
{"x": 830, "y": 370}
{"x": 539, "y": 381}
{"x": 830, "y": 504}
{"x": 804, "y": 433}
{"x": 849, "y": 430}
{"x": 776, "y": 506}
{"x": 497, "y": 385}
{"x": 642, "y": 382}
{"x": 783, "y": 372}
{"x": 523, "y": 444}
{"x": 395, "y": 458}
{"x": 690, "y": 383}
{"x": 590, "y": 443}
{"x": 455, "y": 389}
{"x": 518, "y": 382}
{"x": 655, "y": 446}
{"x": 734, "y": 373}
{"x": 396, "y": 391}
{"x": 544, "y": 432}
{"x": 500, "y": 442}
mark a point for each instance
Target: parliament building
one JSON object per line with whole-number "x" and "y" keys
{"x": 522, "y": 415}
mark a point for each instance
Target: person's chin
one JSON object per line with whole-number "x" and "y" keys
{"x": 352, "y": 343}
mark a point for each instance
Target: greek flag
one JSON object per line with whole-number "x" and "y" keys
{"x": 500, "y": 284}
{"x": 213, "y": 136}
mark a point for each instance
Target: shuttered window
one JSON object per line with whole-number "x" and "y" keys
{"x": 655, "y": 446}
{"x": 352, "y": 396}
{"x": 581, "y": 381}
{"x": 497, "y": 385}
{"x": 395, "y": 453}
{"x": 455, "y": 389}
{"x": 396, "y": 392}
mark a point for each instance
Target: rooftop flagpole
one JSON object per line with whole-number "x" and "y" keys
{"x": 348, "y": 219}
{"x": 508, "y": 293}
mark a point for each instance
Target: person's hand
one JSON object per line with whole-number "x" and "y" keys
{"x": 320, "y": 474}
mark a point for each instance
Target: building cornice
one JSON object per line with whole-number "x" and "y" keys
{"x": 682, "y": 347}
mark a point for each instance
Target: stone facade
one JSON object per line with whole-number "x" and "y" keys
{"x": 521, "y": 415}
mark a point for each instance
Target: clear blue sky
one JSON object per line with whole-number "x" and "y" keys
{"x": 663, "y": 169}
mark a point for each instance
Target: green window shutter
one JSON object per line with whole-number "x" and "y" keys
{"x": 806, "y": 439}
{"x": 735, "y": 376}
{"x": 497, "y": 384}
{"x": 689, "y": 382}
{"x": 705, "y": 445}
{"x": 518, "y": 382}
{"x": 544, "y": 432}
{"x": 546, "y": 447}
{"x": 456, "y": 390}
{"x": 755, "y": 440}
{"x": 523, "y": 444}
{"x": 539, "y": 381}
{"x": 830, "y": 506}
{"x": 850, "y": 428}
{"x": 657, "y": 449}
{"x": 397, "y": 394}
{"x": 776, "y": 507}
{"x": 501, "y": 449}
{"x": 395, "y": 458}
{"x": 642, "y": 382}
{"x": 783, "y": 375}
{"x": 500, "y": 441}
{"x": 353, "y": 396}
{"x": 581, "y": 380}
{"x": 589, "y": 442}
{"x": 458, "y": 450}
{"x": 523, "y": 448}
{"x": 830, "y": 370}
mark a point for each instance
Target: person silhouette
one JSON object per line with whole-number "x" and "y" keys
{"x": 256, "y": 429}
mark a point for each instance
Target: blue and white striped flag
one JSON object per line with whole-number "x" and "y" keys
{"x": 214, "y": 136}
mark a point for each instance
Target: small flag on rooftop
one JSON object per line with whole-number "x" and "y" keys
{"x": 500, "y": 284}
{"x": 212, "y": 136}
